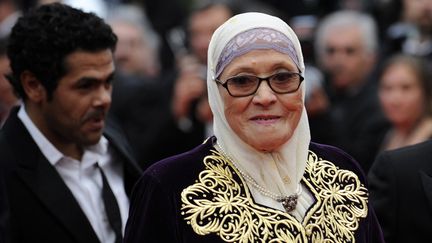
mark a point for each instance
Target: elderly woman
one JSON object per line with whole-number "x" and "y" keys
{"x": 259, "y": 179}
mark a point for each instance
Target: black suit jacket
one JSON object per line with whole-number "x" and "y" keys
{"x": 3, "y": 209}
{"x": 148, "y": 122}
{"x": 357, "y": 123}
{"x": 401, "y": 193}
{"x": 41, "y": 206}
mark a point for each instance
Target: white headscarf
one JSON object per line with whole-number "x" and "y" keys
{"x": 279, "y": 171}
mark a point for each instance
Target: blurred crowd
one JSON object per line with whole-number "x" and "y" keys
{"x": 367, "y": 69}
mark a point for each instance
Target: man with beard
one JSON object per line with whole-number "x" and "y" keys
{"x": 68, "y": 175}
{"x": 346, "y": 44}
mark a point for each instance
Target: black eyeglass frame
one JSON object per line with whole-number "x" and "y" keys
{"x": 225, "y": 84}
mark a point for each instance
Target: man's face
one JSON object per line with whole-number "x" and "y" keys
{"x": 7, "y": 97}
{"x": 345, "y": 57}
{"x": 201, "y": 27}
{"x": 133, "y": 54}
{"x": 79, "y": 104}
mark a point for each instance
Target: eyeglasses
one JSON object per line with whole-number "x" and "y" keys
{"x": 245, "y": 85}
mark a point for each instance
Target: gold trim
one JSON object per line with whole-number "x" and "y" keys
{"x": 218, "y": 203}
{"x": 341, "y": 200}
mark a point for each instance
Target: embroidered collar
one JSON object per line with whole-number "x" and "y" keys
{"x": 220, "y": 202}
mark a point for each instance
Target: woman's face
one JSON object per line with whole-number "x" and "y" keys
{"x": 401, "y": 95}
{"x": 264, "y": 120}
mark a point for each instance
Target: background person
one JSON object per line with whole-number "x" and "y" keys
{"x": 3, "y": 210}
{"x": 346, "y": 44}
{"x": 189, "y": 101}
{"x": 411, "y": 32}
{"x": 141, "y": 94}
{"x": 401, "y": 193}
{"x": 137, "y": 47}
{"x": 405, "y": 92}
{"x": 7, "y": 97}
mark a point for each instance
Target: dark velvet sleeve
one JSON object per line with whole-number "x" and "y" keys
{"x": 374, "y": 228}
{"x": 151, "y": 214}
{"x": 383, "y": 194}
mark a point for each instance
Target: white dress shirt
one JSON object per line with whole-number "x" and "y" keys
{"x": 84, "y": 178}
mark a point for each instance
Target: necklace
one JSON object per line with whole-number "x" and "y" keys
{"x": 288, "y": 202}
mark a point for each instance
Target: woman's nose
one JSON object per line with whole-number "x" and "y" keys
{"x": 264, "y": 96}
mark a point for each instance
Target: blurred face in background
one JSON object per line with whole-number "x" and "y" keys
{"x": 345, "y": 57}
{"x": 202, "y": 24}
{"x": 7, "y": 97}
{"x": 133, "y": 55}
{"x": 418, "y": 12}
{"x": 401, "y": 95}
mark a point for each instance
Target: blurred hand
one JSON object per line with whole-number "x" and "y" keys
{"x": 317, "y": 103}
{"x": 204, "y": 112}
{"x": 190, "y": 86}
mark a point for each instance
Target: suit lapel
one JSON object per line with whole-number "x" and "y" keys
{"x": 119, "y": 143}
{"x": 426, "y": 171}
{"x": 43, "y": 179}
{"x": 45, "y": 182}
{"x": 427, "y": 186}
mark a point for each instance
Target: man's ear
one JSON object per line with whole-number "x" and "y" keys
{"x": 33, "y": 88}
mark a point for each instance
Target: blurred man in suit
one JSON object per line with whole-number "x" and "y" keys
{"x": 401, "y": 193}
{"x": 346, "y": 44}
{"x": 3, "y": 210}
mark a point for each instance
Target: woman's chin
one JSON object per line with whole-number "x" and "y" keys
{"x": 267, "y": 144}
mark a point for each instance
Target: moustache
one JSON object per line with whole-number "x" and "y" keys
{"x": 95, "y": 114}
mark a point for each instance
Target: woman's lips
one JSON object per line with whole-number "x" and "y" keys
{"x": 265, "y": 119}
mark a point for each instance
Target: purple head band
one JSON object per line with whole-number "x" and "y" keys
{"x": 256, "y": 39}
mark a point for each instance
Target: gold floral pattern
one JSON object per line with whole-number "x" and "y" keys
{"x": 220, "y": 202}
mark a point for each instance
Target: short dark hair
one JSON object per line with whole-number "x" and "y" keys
{"x": 41, "y": 40}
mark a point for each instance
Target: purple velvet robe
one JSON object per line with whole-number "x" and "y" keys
{"x": 198, "y": 196}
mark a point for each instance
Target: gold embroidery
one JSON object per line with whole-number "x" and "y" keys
{"x": 218, "y": 203}
{"x": 341, "y": 201}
